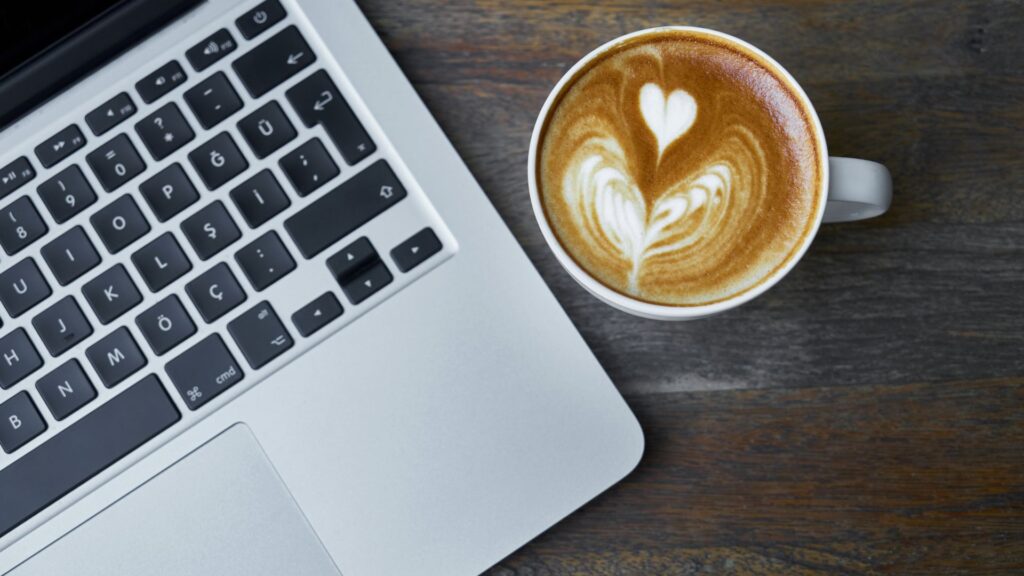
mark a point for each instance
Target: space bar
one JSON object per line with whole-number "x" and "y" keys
{"x": 83, "y": 450}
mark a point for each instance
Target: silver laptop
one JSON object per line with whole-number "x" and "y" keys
{"x": 257, "y": 316}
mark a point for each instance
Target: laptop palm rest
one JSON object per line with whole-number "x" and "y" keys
{"x": 231, "y": 515}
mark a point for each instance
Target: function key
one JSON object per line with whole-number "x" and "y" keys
{"x": 119, "y": 223}
{"x": 337, "y": 213}
{"x": 110, "y": 113}
{"x": 70, "y": 255}
{"x": 22, "y": 286}
{"x": 260, "y": 335}
{"x": 204, "y": 371}
{"x": 318, "y": 101}
{"x": 116, "y": 162}
{"x": 65, "y": 389}
{"x": 265, "y": 260}
{"x": 166, "y": 324}
{"x": 317, "y": 314}
{"x": 267, "y": 129}
{"x": 61, "y": 326}
{"x": 164, "y": 131}
{"x": 20, "y": 225}
{"x": 60, "y": 146}
{"x": 274, "y": 61}
{"x": 210, "y": 230}
{"x": 260, "y": 198}
{"x": 67, "y": 194}
{"x": 416, "y": 249}
{"x": 213, "y": 100}
{"x": 218, "y": 161}
{"x": 20, "y": 422}
{"x": 111, "y": 294}
{"x": 308, "y": 167}
{"x": 18, "y": 358}
{"x": 213, "y": 48}
{"x": 215, "y": 292}
{"x": 161, "y": 81}
{"x": 263, "y": 16}
{"x": 169, "y": 192}
{"x": 15, "y": 175}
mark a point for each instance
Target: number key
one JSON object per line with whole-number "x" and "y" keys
{"x": 67, "y": 194}
{"x": 115, "y": 163}
{"x": 20, "y": 225}
{"x": 164, "y": 131}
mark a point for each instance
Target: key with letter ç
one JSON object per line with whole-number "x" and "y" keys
{"x": 83, "y": 449}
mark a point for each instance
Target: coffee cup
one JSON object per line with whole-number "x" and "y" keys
{"x": 614, "y": 221}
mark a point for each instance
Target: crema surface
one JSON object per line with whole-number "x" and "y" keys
{"x": 679, "y": 170}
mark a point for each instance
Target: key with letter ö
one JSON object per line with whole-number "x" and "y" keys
{"x": 165, "y": 325}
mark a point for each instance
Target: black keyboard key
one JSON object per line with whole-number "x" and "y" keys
{"x": 18, "y": 358}
{"x": 15, "y": 175}
{"x": 60, "y": 146}
{"x": 115, "y": 163}
{"x": 263, "y": 16}
{"x": 119, "y": 223}
{"x": 165, "y": 325}
{"x": 20, "y": 225}
{"x": 61, "y": 326}
{"x": 318, "y": 101}
{"x": 274, "y": 61}
{"x": 161, "y": 81}
{"x": 267, "y": 129}
{"x": 20, "y": 422}
{"x": 215, "y": 292}
{"x": 339, "y": 212}
{"x": 204, "y": 371}
{"x": 416, "y": 250}
{"x": 351, "y": 259}
{"x": 210, "y": 230}
{"x": 70, "y": 255}
{"x": 84, "y": 449}
{"x": 111, "y": 294}
{"x": 65, "y": 389}
{"x": 161, "y": 262}
{"x": 265, "y": 260}
{"x": 169, "y": 192}
{"x": 218, "y": 161}
{"x": 260, "y": 198}
{"x": 213, "y": 100}
{"x": 317, "y": 314}
{"x": 210, "y": 50}
{"x": 308, "y": 167}
{"x": 22, "y": 286}
{"x": 116, "y": 357}
{"x": 110, "y": 114}
{"x": 260, "y": 335}
{"x": 67, "y": 194}
{"x": 367, "y": 282}
{"x": 164, "y": 131}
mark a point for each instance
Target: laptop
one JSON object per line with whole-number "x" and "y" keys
{"x": 258, "y": 317}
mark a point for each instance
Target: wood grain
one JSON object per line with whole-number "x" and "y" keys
{"x": 865, "y": 415}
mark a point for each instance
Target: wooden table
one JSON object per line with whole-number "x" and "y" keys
{"x": 866, "y": 416}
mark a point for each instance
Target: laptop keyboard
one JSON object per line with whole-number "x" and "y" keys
{"x": 136, "y": 276}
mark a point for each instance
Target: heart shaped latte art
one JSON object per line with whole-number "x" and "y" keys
{"x": 668, "y": 117}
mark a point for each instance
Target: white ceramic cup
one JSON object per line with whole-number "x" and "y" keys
{"x": 852, "y": 189}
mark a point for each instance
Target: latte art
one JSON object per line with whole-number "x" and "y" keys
{"x": 678, "y": 172}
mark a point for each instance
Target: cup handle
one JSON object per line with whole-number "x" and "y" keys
{"x": 857, "y": 189}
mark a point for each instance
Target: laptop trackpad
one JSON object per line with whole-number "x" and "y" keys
{"x": 221, "y": 510}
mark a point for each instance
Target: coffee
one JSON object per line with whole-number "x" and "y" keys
{"x": 680, "y": 169}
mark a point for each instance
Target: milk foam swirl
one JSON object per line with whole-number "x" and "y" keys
{"x": 679, "y": 173}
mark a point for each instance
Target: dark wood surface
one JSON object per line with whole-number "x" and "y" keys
{"x": 866, "y": 416}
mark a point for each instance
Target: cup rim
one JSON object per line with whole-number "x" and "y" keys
{"x": 648, "y": 309}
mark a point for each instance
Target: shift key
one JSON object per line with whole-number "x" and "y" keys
{"x": 204, "y": 371}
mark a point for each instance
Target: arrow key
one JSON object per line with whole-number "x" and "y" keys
{"x": 415, "y": 250}
{"x": 317, "y": 314}
{"x": 352, "y": 259}
{"x": 367, "y": 282}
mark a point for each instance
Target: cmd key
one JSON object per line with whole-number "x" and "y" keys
{"x": 274, "y": 61}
